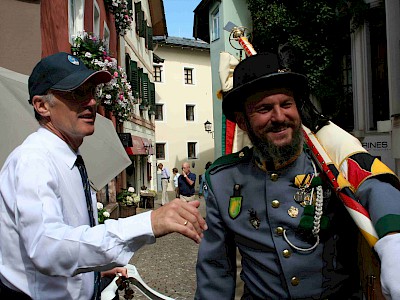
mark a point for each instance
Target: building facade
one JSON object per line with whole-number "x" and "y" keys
{"x": 182, "y": 76}
{"x": 137, "y": 54}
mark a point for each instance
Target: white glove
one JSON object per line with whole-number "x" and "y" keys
{"x": 388, "y": 249}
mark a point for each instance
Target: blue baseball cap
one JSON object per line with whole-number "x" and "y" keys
{"x": 62, "y": 72}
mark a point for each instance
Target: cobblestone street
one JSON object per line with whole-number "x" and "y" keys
{"x": 168, "y": 266}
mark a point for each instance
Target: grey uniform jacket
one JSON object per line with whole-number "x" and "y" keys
{"x": 271, "y": 268}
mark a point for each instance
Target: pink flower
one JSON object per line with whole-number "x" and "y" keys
{"x": 115, "y": 74}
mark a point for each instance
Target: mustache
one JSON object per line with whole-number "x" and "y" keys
{"x": 277, "y": 126}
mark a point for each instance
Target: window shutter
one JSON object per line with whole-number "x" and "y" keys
{"x": 130, "y": 4}
{"x": 145, "y": 89}
{"x": 138, "y": 20}
{"x": 140, "y": 80}
{"x": 149, "y": 38}
{"x": 142, "y": 25}
{"x": 128, "y": 67}
{"x": 152, "y": 96}
{"x": 134, "y": 78}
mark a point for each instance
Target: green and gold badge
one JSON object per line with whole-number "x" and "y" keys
{"x": 235, "y": 202}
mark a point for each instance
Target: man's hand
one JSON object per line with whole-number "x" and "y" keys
{"x": 179, "y": 216}
{"x": 120, "y": 271}
{"x": 388, "y": 248}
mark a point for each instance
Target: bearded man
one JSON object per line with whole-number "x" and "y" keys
{"x": 273, "y": 204}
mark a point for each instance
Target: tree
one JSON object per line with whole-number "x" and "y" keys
{"x": 319, "y": 33}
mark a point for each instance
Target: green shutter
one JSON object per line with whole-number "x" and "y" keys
{"x": 149, "y": 38}
{"x": 140, "y": 87}
{"x": 128, "y": 67}
{"x": 152, "y": 96}
{"x": 130, "y": 4}
{"x": 134, "y": 79}
{"x": 138, "y": 14}
{"x": 145, "y": 89}
{"x": 142, "y": 24}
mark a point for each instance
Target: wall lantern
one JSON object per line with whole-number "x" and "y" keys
{"x": 207, "y": 128}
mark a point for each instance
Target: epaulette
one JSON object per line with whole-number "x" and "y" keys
{"x": 228, "y": 160}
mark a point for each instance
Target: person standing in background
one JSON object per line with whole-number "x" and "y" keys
{"x": 203, "y": 189}
{"x": 186, "y": 182}
{"x": 176, "y": 176}
{"x": 164, "y": 183}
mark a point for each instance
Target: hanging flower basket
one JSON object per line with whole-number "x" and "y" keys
{"x": 123, "y": 15}
{"x": 116, "y": 95}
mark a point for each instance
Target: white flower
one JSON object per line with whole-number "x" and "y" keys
{"x": 129, "y": 199}
{"x": 106, "y": 214}
{"x": 88, "y": 54}
{"x": 99, "y": 205}
{"x": 136, "y": 199}
{"x": 131, "y": 189}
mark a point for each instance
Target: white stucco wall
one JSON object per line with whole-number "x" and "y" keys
{"x": 174, "y": 130}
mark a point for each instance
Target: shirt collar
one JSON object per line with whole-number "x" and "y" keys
{"x": 59, "y": 148}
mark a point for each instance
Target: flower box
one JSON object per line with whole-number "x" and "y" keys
{"x": 126, "y": 210}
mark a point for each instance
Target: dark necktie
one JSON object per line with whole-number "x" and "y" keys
{"x": 86, "y": 187}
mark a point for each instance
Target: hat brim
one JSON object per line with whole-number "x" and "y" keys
{"x": 76, "y": 79}
{"x": 234, "y": 100}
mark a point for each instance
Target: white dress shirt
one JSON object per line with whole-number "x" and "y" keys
{"x": 48, "y": 249}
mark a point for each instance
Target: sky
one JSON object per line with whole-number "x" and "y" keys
{"x": 179, "y": 15}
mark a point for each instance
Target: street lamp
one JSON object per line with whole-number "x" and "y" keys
{"x": 207, "y": 128}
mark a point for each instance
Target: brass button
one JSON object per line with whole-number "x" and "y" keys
{"x": 279, "y": 230}
{"x": 274, "y": 177}
{"x": 275, "y": 203}
{"x": 295, "y": 281}
{"x": 286, "y": 253}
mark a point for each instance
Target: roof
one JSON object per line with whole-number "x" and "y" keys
{"x": 182, "y": 42}
{"x": 157, "y": 59}
{"x": 157, "y": 12}
{"x": 200, "y": 22}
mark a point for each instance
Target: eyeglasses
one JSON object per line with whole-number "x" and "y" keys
{"x": 81, "y": 94}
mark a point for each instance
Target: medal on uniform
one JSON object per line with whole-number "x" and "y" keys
{"x": 254, "y": 220}
{"x": 235, "y": 202}
{"x": 293, "y": 211}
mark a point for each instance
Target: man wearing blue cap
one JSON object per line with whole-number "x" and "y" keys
{"x": 52, "y": 247}
{"x": 275, "y": 205}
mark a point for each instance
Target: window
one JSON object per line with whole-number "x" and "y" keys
{"x": 157, "y": 73}
{"x": 215, "y": 25}
{"x": 106, "y": 36}
{"x": 347, "y": 116}
{"x": 140, "y": 20}
{"x": 96, "y": 19}
{"x": 75, "y": 17}
{"x": 159, "y": 116}
{"x": 189, "y": 112}
{"x": 160, "y": 150}
{"x": 378, "y": 106}
{"x": 188, "y": 72}
{"x": 191, "y": 146}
